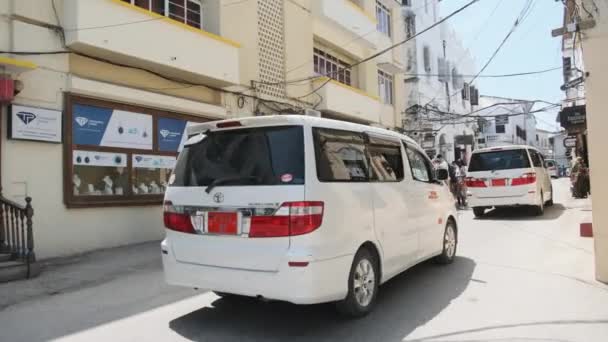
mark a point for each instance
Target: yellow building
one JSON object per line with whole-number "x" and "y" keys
{"x": 586, "y": 86}
{"x": 105, "y": 89}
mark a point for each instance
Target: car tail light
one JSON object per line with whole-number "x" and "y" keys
{"x": 525, "y": 179}
{"x": 475, "y": 182}
{"x": 176, "y": 219}
{"x": 227, "y": 124}
{"x": 291, "y": 219}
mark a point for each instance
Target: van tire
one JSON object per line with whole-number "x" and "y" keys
{"x": 479, "y": 211}
{"x": 550, "y": 202}
{"x": 539, "y": 210}
{"x": 449, "y": 243}
{"x": 350, "y": 306}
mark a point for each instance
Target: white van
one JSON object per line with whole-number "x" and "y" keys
{"x": 302, "y": 209}
{"x": 508, "y": 176}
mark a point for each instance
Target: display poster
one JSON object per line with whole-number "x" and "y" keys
{"x": 153, "y": 162}
{"x": 99, "y": 126}
{"x": 91, "y": 158}
{"x": 171, "y": 133}
{"x": 30, "y": 123}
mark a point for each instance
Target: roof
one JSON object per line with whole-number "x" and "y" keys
{"x": 505, "y": 147}
{"x": 294, "y": 119}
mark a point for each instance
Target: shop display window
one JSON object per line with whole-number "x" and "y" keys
{"x": 117, "y": 154}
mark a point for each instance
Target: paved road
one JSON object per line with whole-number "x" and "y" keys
{"x": 517, "y": 278}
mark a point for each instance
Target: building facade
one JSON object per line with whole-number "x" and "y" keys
{"x": 438, "y": 68}
{"x": 505, "y": 122}
{"x": 105, "y": 89}
{"x": 586, "y": 26}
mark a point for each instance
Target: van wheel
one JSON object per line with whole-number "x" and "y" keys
{"x": 450, "y": 244}
{"x": 539, "y": 210}
{"x": 362, "y": 285}
{"x": 479, "y": 211}
{"x": 550, "y": 202}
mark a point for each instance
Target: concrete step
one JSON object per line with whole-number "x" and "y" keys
{"x": 15, "y": 270}
{"x": 5, "y": 257}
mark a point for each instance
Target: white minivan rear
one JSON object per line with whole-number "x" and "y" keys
{"x": 508, "y": 176}
{"x": 302, "y": 209}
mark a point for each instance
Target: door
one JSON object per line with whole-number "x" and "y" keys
{"x": 541, "y": 173}
{"x": 422, "y": 197}
{"x": 390, "y": 203}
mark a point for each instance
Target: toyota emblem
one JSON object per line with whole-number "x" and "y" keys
{"x": 218, "y": 197}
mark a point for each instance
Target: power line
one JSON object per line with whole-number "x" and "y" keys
{"x": 493, "y": 76}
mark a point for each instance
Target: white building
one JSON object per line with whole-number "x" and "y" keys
{"x": 543, "y": 142}
{"x": 438, "y": 92}
{"x": 560, "y": 152}
{"x": 506, "y": 121}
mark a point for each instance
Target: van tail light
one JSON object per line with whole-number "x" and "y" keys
{"x": 291, "y": 219}
{"x": 228, "y": 124}
{"x": 525, "y": 179}
{"x": 475, "y": 182}
{"x": 176, "y": 219}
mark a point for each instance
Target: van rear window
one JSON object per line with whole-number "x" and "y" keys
{"x": 250, "y": 156}
{"x": 499, "y": 160}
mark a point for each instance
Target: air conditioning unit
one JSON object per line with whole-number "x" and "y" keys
{"x": 312, "y": 112}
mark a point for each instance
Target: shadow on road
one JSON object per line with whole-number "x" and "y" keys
{"x": 524, "y": 214}
{"x": 404, "y": 303}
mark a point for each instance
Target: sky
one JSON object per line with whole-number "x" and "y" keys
{"x": 530, "y": 48}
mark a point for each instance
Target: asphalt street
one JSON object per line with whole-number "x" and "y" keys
{"x": 517, "y": 278}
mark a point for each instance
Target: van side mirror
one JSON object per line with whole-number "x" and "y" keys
{"x": 441, "y": 174}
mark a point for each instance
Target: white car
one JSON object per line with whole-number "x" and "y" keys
{"x": 508, "y": 176}
{"x": 303, "y": 209}
{"x": 551, "y": 168}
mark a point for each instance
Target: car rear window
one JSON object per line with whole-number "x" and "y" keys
{"x": 499, "y": 160}
{"x": 250, "y": 156}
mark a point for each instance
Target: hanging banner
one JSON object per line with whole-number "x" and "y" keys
{"x": 100, "y": 126}
{"x": 38, "y": 124}
{"x": 153, "y": 162}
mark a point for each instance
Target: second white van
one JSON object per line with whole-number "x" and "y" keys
{"x": 304, "y": 210}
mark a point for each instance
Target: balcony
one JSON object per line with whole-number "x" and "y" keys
{"x": 347, "y": 102}
{"x": 123, "y": 33}
{"x": 350, "y": 19}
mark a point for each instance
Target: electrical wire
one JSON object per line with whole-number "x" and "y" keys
{"x": 494, "y": 76}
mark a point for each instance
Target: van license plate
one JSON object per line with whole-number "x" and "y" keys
{"x": 222, "y": 223}
{"x": 499, "y": 182}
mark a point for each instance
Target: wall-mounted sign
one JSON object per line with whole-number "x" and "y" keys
{"x": 501, "y": 119}
{"x": 170, "y": 133}
{"x": 91, "y": 158}
{"x": 570, "y": 142}
{"x": 30, "y": 123}
{"x": 100, "y": 126}
{"x": 153, "y": 162}
{"x": 574, "y": 117}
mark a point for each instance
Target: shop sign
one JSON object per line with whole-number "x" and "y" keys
{"x": 90, "y": 158}
{"x": 573, "y": 117}
{"x": 30, "y": 123}
{"x": 570, "y": 142}
{"x": 501, "y": 119}
{"x": 153, "y": 162}
{"x": 100, "y": 126}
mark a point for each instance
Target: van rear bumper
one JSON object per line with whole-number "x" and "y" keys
{"x": 504, "y": 201}
{"x": 319, "y": 282}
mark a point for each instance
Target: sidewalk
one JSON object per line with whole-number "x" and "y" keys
{"x": 86, "y": 270}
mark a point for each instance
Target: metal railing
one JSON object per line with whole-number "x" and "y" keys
{"x": 16, "y": 230}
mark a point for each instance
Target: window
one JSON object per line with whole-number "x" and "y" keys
{"x": 410, "y": 26}
{"x": 385, "y": 160}
{"x": 188, "y": 12}
{"x": 426, "y": 55}
{"x": 466, "y": 92}
{"x": 383, "y": 15}
{"x": 385, "y": 87}
{"x": 251, "y": 156}
{"x": 119, "y": 154}
{"x": 419, "y": 164}
{"x": 500, "y": 129}
{"x": 326, "y": 64}
{"x": 537, "y": 139}
{"x": 340, "y": 156}
{"x": 406, "y": 2}
{"x": 499, "y": 160}
{"x": 455, "y": 78}
{"x": 536, "y": 158}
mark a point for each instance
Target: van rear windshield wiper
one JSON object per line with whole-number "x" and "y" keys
{"x": 221, "y": 180}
